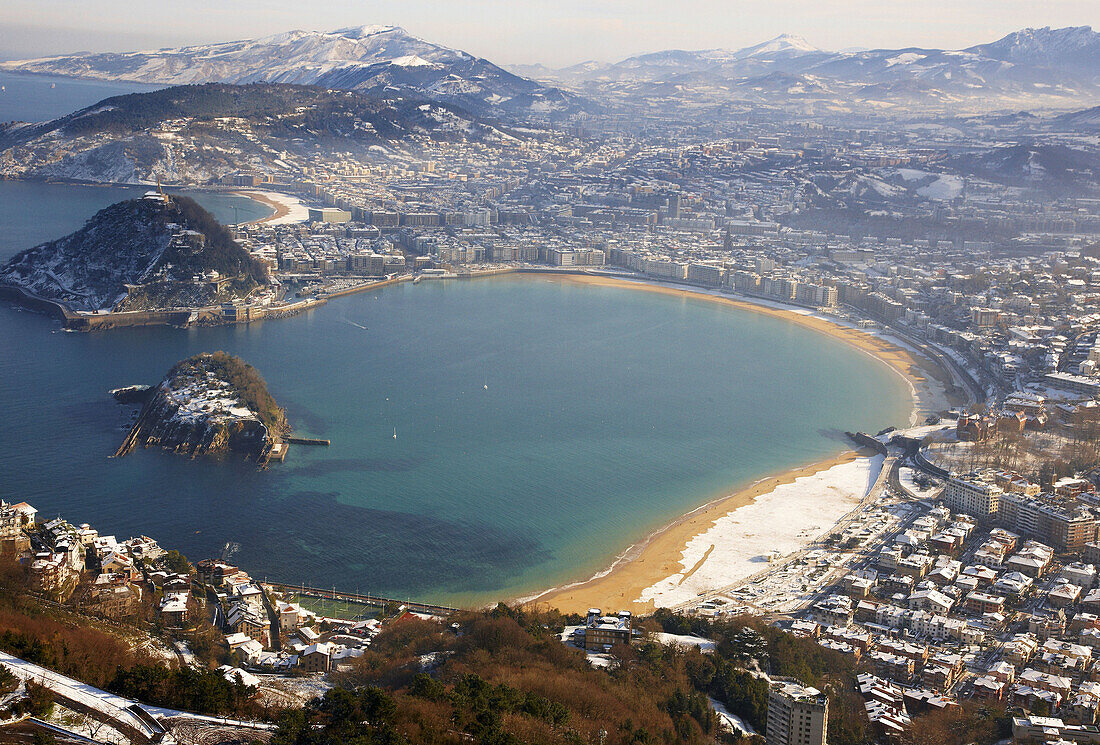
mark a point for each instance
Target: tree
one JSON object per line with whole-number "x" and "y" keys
{"x": 176, "y": 562}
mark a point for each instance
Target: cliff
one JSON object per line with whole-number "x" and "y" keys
{"x": 153, "y": 253}
{"x": 209, "y": 404}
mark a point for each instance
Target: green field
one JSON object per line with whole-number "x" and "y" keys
{"x": 332, "y": 609}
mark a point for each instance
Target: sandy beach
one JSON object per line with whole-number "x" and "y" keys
{"x": 703, "y": 549}
{"x": 660, "y": 555}
{"x": 287, "y": 208}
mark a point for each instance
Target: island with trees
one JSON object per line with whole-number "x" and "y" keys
{"x": 207, "y": 404}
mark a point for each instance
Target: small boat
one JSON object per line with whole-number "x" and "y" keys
{"x": 395, "y": 433}
{"x": 53, "y": 85}
{"x": 486, "y": 386}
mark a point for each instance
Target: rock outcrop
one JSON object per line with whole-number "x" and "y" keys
{"x": 209, "y": 404}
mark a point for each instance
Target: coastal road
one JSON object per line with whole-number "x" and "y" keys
{"x": 947, "y": 363}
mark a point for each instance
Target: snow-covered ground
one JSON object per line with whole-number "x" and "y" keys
{"x": 298, "y": 211}
{"x": 944, "y": 188}
{"x": 207, "y": 399}
{"x": 784, "y": 520}
{"x": 906, "y": 477}
{"x": 730, "y": 721}
{"x": 684, "y": 640}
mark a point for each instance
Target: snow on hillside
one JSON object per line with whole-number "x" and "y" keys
{"x": 358, "y": 58}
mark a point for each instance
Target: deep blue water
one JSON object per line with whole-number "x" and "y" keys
{"x": 542, "y": 426}
{"x": 39, "y": 98}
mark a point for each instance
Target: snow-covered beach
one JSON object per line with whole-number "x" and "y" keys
{"x": 778, "y": 522}
{"x": 288, "y": 209}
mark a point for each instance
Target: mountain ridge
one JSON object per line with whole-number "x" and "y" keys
{"x": 166, "y": 134}
{"x": 363, "y": 58}
{"x": 1047, "y": 68}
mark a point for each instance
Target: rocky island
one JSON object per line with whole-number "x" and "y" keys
{"x": 208, "y": 404}
{"x": 156, "y": 253}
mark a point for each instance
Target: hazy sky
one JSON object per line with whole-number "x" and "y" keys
{"x": 555, "y": 32}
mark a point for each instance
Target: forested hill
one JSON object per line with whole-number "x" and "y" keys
{"x": 288, "y": 110}
{"x": 199, "y": 133}
{"x": 140, "y": 254}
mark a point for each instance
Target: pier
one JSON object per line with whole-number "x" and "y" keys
{"x": 308, "y": 441}
{"x": 361, "y": 598}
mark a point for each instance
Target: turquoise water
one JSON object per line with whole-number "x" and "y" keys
{"x": 542, "y": 426}
{"x": 39, "y": 98}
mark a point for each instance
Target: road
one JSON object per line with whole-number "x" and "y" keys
{"x": 119, "y": 712}
{"x": 124, "y": 714}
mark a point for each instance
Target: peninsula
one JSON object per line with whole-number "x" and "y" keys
{"x": 208, "y": 404}
{"x": 154, "y": 253}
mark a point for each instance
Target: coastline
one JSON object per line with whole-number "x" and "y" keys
{"x": 288, "y": 209}
{"x": 925, "y": 385}
{"x": 665, "y": 554}
{"x": 660, "y": 554}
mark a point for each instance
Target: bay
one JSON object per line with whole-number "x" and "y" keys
{"x": 542, "y": 426}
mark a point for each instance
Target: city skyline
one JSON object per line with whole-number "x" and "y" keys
{"x": 557, "y": 34}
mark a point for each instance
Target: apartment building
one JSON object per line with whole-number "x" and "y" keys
{"x": 973, "y": 495}
{"x": 797, "y": 714}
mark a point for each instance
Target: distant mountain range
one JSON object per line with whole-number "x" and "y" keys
{"x": 1030, "y": 68}
{"x": 378, "y": 60}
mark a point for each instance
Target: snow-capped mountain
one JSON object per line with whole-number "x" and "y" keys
{"x": 1029, "y": 68}
{"x": 784, "y": 44}
{"x": 367, "y": 58}
{"x": 1087, "y": 120}
{"x": 1046, "y": 47}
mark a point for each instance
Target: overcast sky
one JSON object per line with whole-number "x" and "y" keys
{"x": 554, "y": 32}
